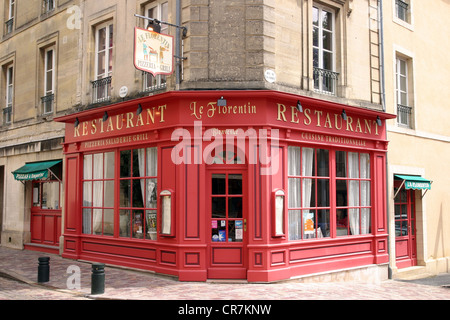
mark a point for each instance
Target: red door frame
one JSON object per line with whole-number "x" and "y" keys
{"x": 45, "y": 225}
{"x": 227, "y": 260}
{"x": 405, "y": 227}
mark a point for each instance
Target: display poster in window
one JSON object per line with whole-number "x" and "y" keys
{"x": 153, "y": 52}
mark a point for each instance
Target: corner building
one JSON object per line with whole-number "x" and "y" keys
{"x": 261, "y": 157}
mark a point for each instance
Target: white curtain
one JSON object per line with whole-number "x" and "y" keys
{"x": 307, "y": 190}
{"x": 294, "y": 190}
{"x": 87, "y": 193}
{"x": 365, "y": 193}
{"x": 97, "y": 195}
{"x": 353, "y": 192}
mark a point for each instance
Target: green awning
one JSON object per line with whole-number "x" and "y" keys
{"x": 415, "y": 182}
{"x": 34, "y": 171}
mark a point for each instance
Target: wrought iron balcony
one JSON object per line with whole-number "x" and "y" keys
{"x": 47, "y": 103}
{"x": 9, "y": 25}
{"x": 152, "y": 83}
{"x": 7, "y": 115}
{"x": 325, "y": 81}
{"x": 404, "y": 115}
{"x": 101, "y": 90}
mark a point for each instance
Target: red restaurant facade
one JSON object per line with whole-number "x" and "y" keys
{"x": 255, "y": 185}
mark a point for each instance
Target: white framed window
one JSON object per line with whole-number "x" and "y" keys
{"x": 49, "y": 81}
{"x": 324, "y": 52}
{"x": 10, "y": 17}
{"x": 404, "y": 109}
{"x": 157, "y": 10}
{"x": 9, "y": 90}
{"x": 48, "y": 5}
{"x": 104, "y": 45}
{"x": 402, "y": 10}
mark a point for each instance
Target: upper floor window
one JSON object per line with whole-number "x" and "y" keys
{"x": 9, "y": 94}
{"x": 49, "y": 5}
{"x": 160, "y": 11}
{"x": 104, "y": 41}
{"x": 49, "y": 81}
{"x": 10, "y": 16}
{"x": 404, "y": 104}
{"x": 324, "y": 52}
{"x": 402, "y": 10}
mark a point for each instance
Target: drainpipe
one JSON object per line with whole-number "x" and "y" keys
{"x": 383, "y": 105}
{"x": 177, "y": 43}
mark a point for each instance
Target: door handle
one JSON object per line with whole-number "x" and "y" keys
{"x": 245, "y": 225}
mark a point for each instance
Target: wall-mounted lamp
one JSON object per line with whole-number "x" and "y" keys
{"x": 221, "y": 102}
{"x": 77, "y": 122}
{"x": 344, "y": 115}
{"x": 299, "y": 106}
{"x": 153, "y": 25}
{"x": 105, "y": 116}
{"x": 379, "y": 121}
{"x": 139, "y": 110}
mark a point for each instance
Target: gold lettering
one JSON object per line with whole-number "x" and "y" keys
{"x": 367, "y": 127}
{"x": 101, "y": 125}
{"x": 151, "y": 115}
{"x": 119, "y": 122}
{"x": 139, "y": 121}
{"x": 162, "y": 109}
{"x": 130, "y": 117}
{"x": 328, "y": 121}
{"x": 110, "y": 125}
{"x": 349, "y": 123}
{"x": 211, "y": 110}
{"x": 336, "y": 122}
{"x": 76, "y": 131}
{"x": 193, "y": 108}
{"x": 294, "y": 115}
{"x": 281, "y": 111}
{"x": 85, "y": 132}
{"x": 358, "y": 126}
{"x": 307, "y": 112}
{"x": 93, "y": 127}
{"x": 318, "y": 113}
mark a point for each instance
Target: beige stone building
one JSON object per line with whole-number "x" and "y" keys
{"x": 416, "y": 68}
{"x": 61, "y": 57}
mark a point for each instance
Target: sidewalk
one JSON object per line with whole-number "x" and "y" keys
{"x": 126, "y": 284}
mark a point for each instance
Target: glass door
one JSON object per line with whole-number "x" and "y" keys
{"x": 405, "y": 228}
{"x": 228, "y": 225}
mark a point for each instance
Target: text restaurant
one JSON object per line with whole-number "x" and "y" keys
{"x": 255, "y": 185}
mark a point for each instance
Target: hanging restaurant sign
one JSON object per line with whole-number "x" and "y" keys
{"x": 153, "y": 52}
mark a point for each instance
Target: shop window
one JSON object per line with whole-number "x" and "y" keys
{"x": 98, "y": 193}
{"x": 308, "y": 193}
{"x": 309, "y": 198}
{"x": 353, "y": 193}
{"x": 138, "y": 193}
{"x": 46, "y": 195}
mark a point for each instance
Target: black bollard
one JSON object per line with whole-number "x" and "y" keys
{"x": 44, "y": 269}
{"x": 98, "y": 278}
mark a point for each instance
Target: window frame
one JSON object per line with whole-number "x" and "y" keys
{"x": 404, "y": 110}
{"x": 158, "y": 82}
{"x": 48, "y": 97}
{"x": 9, "y": 94}
{"x": 322, "y": 75}
{"x": 332, "y": 206}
